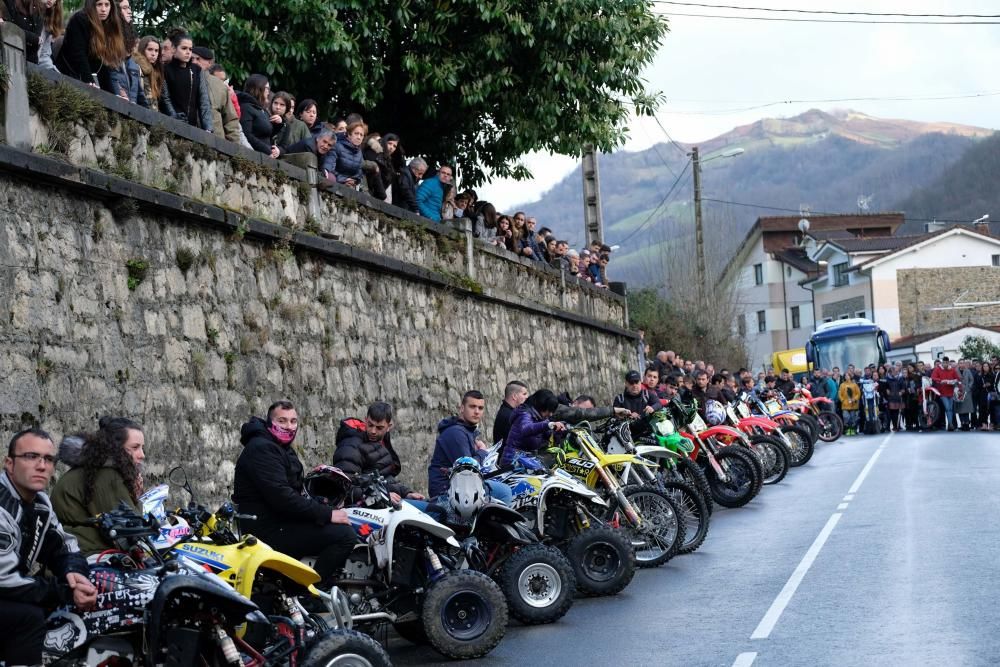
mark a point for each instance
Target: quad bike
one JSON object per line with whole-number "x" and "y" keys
{"x": 564, "y": 513}
{"x": 407, "y": 572}
{"x": 537, "y": 579}
{"x": 280, "y": 585}
{"x": 831, "y": 425}
{"x": 151, "y": 612}
{"x": 647, "y": 513}
{"x": 692, "y": 503}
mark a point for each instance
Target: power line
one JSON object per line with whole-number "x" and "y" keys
{"x": 787, "y": 19}
{"x": 669, "y": 138}
{"x": 821, "y": 213}
{"x": 656, "y": 210}
{"x": 764, "y": 105}
{"x": 827, "y": 11}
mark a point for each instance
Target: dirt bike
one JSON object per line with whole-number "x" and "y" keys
{"x": 692, "y": 503}
{"x": 647, "y": 513}
{"x": 773, "y": 452}
{"x": 930, "y": 402}
{"x": 797, "y": 437}
{"x": 776, "y": 407}
{"x": 734, "y": 474}
{"x": 537, "y": 579}
{"x": 564, "y": 513}
{"x": 283, "y": 587}
{"x": 831, "y": 425}
{"x": 150, "y": 611}
{"x": 870, "y": 407}
{"x": 406, "y": 572}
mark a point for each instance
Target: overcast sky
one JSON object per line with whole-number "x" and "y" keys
{"x": 711, "y": 65}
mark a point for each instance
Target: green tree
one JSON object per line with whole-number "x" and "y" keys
{"x": 979, "y": 348}
{"x": 477, "y": 82}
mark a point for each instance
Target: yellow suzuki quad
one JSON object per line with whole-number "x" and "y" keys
{"x": 284, "y": 588}
{"x": 650, "y": 515}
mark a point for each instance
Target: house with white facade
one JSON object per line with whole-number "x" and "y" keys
{"x": 857, "y": 276}
{"x": 775, "y": 311}
{"x": 931, "y": 346}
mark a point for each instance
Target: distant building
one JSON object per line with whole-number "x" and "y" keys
{"x": 934, "y": 345}
{"x": 775, "y": 310}
{"x": 860, "y": 276}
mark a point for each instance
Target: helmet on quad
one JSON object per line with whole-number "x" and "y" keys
{"x": 327, "y": 484}
{"x": 466, "y": 490}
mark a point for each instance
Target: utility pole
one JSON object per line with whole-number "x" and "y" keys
{"x": 593, "y": 219}
{"x": 698, "y": 234}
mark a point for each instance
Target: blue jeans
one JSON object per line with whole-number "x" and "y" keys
{"x": 948, "y": 403}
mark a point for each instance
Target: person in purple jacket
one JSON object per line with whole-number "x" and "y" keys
{"x": 530, "y": 427}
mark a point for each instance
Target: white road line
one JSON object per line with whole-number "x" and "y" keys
{"x": 842, "y": 506}
{"x": 744, "y": 659}
{"x": 868, "y": 466}
{"x": 767, "y": 623}
{"x": 849, "y": 497}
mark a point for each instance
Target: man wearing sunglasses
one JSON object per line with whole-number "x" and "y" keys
{"x": 30, "y": 534}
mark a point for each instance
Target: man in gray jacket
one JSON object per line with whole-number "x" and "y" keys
{"x": 225, "y": 122}
{"x": 30, "y": 535}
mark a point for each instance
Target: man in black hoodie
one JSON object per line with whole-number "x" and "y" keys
{"x": 268, "y": 483}
{"x": 514, "y": 394}
{"x": 364, "y": 447}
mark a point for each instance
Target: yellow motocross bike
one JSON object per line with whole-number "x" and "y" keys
{"x": 283, "y": 587}
{"x": 651, "y": 518}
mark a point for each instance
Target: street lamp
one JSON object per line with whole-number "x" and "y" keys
{"x": 698, "y": 235}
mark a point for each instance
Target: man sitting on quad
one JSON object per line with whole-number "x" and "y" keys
{"x": 365, "y": 447}
{"x": 268, "y": 483}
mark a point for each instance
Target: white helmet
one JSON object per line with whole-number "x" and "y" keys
{"x": 466, "y": 490}
{"x": 715, "y": 414}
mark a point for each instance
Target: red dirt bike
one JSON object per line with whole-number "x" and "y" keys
{"x": 831, "y": 425}
{"x": 765, "y": 438}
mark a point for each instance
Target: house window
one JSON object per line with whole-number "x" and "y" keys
{"x": 796, "y": 319}
{"x": 860, "y": 313}
{"x": 761, "y": 321}
{"x": 827, "y": 319}
{"x": 996, "y": 260}
{"x": 741, "y": 324}
{"x": 840, "y": 274}
{"x": 758, "y": 274}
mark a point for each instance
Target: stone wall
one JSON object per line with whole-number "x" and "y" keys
{"x": 218, "y": 327}
{"x": 923, "y": 293}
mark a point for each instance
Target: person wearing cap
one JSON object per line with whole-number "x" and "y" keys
{"x": 636, "y": 398}
{"x": 225, "y": 121}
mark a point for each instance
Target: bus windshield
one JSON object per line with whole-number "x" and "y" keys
{"x": 859, "y": 349}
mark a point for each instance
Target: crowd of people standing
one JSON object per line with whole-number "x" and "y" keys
{"x": 185, "y": 80}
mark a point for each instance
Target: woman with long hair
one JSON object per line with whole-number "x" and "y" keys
{"x": 94, "y": 45}
{"x": 107, "y": 473}
{"x": 154, "y": 88}
{"x": 291, "y": 129}
{"x": 52, "y": 29}
{"x": 188, "y": 94}
{"x": 517, "y": 233}
{"x": 256, "y": 122}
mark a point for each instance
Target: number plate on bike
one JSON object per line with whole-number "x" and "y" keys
{"x": 773, "y": 406}
{"x": 743, "y": 410}
{"x": 698, "y": 424}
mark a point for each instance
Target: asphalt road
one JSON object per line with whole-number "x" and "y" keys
{"x": 903, "y": 571}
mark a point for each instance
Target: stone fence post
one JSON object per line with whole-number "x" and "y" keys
{"x": 470, "y": 248}
{"x": 14, "y": 129}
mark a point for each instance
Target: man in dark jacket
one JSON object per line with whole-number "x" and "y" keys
{"x": 514, "y": 394}
{"x": 404, "y": 195}
{"x": 30, "y": 536}
{"x": 457, "y": 438}
{"x": 268, "y": 483}
{"x": 786, "y": 385}
{"x": 635, "y": 398}
{"x": 364, "y": 447}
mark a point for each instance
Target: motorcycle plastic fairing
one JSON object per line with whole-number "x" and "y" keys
{"x": 390, "y": 520}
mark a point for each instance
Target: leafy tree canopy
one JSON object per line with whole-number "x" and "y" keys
{"x": 477, "y": 82}
{"x": 978, "y": 348}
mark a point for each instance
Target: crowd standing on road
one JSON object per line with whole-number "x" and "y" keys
{"x": 172, "y": 74}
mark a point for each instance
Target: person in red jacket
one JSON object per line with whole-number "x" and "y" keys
{"x": 945, "y": 379}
